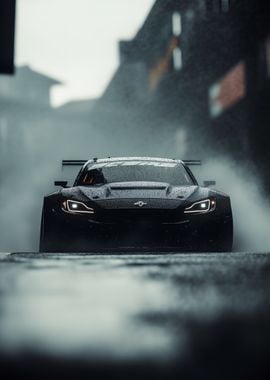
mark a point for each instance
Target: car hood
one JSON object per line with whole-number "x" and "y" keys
{"x": 137, "y": 190}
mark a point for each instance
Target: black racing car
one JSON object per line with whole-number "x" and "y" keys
{"x": 135, "y": 203}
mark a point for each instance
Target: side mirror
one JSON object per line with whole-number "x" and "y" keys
{"x": 209, "y": 183}
{"x": 61, "y": 183}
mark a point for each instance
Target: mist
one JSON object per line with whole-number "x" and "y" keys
{"x": 250, "y": 204}
{"x": 32, "y": 167}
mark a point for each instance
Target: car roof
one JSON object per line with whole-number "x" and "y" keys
{"x": 115, "y": 159}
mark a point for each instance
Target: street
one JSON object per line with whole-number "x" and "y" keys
{"x": 128, "y": 315}
{"x": 135, "y": 124}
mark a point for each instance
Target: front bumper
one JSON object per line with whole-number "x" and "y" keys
{"x": 83, "y": 233}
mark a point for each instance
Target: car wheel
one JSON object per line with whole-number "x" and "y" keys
{"x": 50, "y": 236}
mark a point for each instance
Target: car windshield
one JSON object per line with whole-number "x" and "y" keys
{"x": 129, "y": 171}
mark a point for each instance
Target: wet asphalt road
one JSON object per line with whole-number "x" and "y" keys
{"x": 194, "y": 316}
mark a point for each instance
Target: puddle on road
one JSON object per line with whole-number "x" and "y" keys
{"x": 117, "y": 306}
{"x": 83, "y": 305}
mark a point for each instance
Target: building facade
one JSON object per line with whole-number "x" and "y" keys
{"x": 200, "y": 69}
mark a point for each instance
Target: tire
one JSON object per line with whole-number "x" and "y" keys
{"x": 50, "y": 235}
{"x": 224, "y": 239}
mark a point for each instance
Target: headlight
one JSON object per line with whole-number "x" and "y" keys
{"x": 76, "y": 207}
{"x": 201, "y": 207}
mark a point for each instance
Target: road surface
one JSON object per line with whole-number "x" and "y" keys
{"x": 190, "y": 316}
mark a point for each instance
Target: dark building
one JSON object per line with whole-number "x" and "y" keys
{"x": 201, "y": 70}
{"x": 7, "y": 26}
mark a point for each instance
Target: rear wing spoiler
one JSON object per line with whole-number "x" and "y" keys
{"x": 73, "y": 162}
{"x": 192, "y": 162}
{"x": 82, "y": 162}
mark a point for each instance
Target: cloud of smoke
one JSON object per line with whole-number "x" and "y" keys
{"x": 251, "y": 209}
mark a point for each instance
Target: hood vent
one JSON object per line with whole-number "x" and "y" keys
{"x": 138, "y": 187}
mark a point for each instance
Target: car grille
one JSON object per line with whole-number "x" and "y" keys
{"x": 152, "y": 216}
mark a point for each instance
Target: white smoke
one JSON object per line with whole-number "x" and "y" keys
{"x": 251, "y": 209}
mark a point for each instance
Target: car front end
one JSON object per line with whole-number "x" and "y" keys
{"x": 138, "y": 221}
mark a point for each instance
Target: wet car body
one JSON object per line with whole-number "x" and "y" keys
{"x": 136, "y": 214}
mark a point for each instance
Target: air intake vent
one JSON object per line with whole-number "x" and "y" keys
{"x": 138, "y": 187}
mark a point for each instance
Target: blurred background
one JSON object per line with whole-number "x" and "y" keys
{"x": 183, "y": 79}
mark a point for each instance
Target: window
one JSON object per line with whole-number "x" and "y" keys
{"x": 177, "y": 30}
{"x": 177, "y": 59}
{"x": 176, "y": 24}
{"x": 135, "y": 171}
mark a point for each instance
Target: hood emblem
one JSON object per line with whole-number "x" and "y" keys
{"x": 140, "y": 204}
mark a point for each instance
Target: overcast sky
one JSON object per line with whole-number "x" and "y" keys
{"x": 75, "y": 41}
